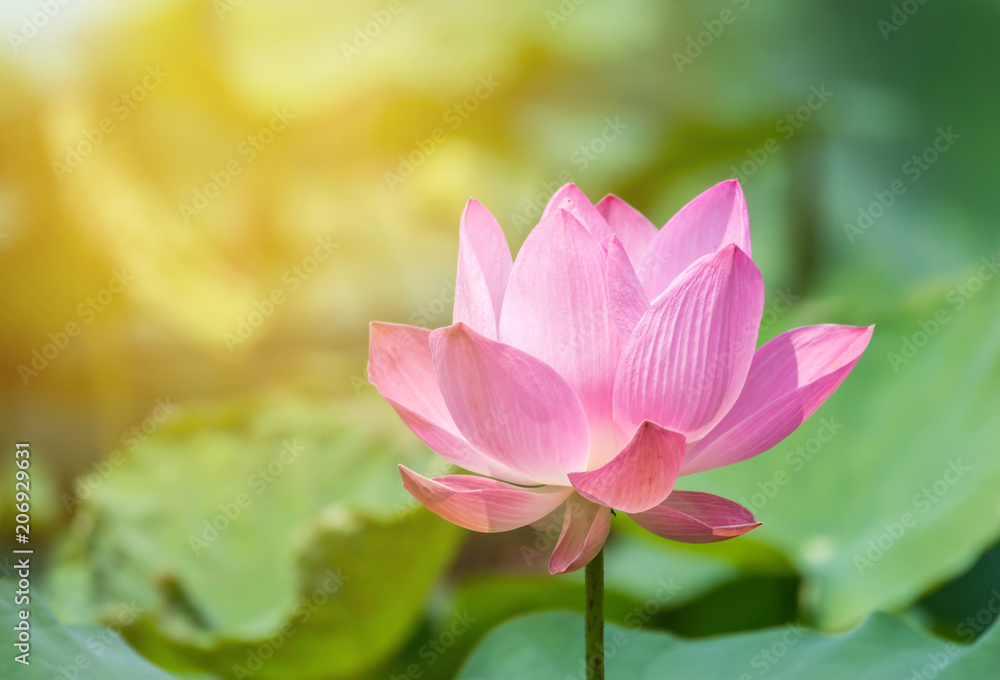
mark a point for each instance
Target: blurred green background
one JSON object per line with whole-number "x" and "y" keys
{"x": 203, "y": 204}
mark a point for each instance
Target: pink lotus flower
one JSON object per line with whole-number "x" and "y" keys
{"x": 608, "y": 359}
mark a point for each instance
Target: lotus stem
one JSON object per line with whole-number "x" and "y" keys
{"x": 594, "y": 618}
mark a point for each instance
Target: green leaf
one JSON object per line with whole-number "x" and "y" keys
{"x": 549, "y": 646}
{"x": 890, "y": 488}
{"x": 58, "y": 651}
{"x": 272, "y": 537}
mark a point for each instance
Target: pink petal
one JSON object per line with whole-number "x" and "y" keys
{"x": 482, "y": 504}
{"x": 639, "y": 477}
{"x": 585, "y": 528}
{"x": 714, "y": 219}
{"x": 790, "y": 377}
{"x": 511, "y": 405}
{"x": 556, "y": 309}
{"x": 628, "y": 224}
{"x": 573, "y": 201}
{"x": 626, "y": 299}
{"x": 484, "y": 264}
{"x": 688, "y": 357}
{"x": 696, "y": 517}
{"x": 402, "y": 370}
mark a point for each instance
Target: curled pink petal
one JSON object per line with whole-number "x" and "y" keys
{"x": 790, "y": 377}
{"x": 688, "y": 357}
{"x": 640, "y": 476}
{"x": 573, "y": 201}
{"x": 482, "y": 504}
{"x": 511, "y": 405}
{"x": 628, "y": 224}
{"x": 710, "y": 221}
{"x": 585, "y": 528}
{"x": 696, "y": 517}
{"x": 401, "y": 368}
{"x": 556, "y": 309}
{"x": 484, "y": 264}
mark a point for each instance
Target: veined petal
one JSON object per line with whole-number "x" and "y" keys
{"x": 641, "y": 476}
{"x": 484, "y": 264}
{"x": 401, "y": 368}
{"x": 710, "y": 221}
{"x": 511, "y": 405}
{"x": 584, "y": 530}
{"x": 628, "y": 224}
{"x": 790, "y": 377}
{"x": 576, "y": 203}
{"x": 696, "y": 517}
{"x": 688, "y": 357}
{"x": 556, "y": 309}
{"x": 482, "y": 504}
{"x": 626, "y": 299}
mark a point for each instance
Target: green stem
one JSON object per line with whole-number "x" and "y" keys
{"x": 594, "y": 618}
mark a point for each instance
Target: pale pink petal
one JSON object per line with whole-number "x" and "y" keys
{"x": 482, "y": 504}
{"x": 401, "y": 368}
{"x": 640, "y": 476}
{"x": 715, "y": 218}
{"x": 484, "y": 264}
{"x": 573, "y": 201}
{"x": 585, "y": 528}
{"x": 511, "y": 405}
{"x": 556, "y": 309}
{"x": 626, "y": 299}
{"x": 688, "y": 357}
{"x": 696, "y": 517}
{"x": 789, "y": 378}
{"x": 628, "y": 224}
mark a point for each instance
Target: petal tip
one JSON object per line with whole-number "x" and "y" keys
{"x": 735, "y": 530}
